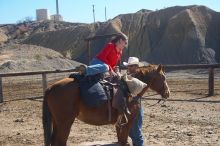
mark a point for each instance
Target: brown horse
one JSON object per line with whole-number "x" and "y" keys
{"x": 62, "y": 104}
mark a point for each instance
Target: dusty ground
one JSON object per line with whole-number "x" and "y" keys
{"x": 188, "y": 118}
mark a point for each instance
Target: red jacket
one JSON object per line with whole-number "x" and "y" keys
{"x": 109, "y": 55}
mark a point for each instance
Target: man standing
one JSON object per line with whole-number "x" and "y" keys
{"x": 135, "y": 132}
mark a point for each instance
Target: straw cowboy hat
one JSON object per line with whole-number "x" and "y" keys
{"x": 132, "y": 61}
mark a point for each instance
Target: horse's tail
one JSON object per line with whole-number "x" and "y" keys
{"x": 47, "y": 122}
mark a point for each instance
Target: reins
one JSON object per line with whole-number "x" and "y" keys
{"x": 157, "y": 103}
{"x": 145, "y": 90}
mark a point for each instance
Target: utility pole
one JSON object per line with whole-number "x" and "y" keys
{"x": 105, "y": 14}
{"x": 57, "y": 6}
{"x": 93, "y": 6}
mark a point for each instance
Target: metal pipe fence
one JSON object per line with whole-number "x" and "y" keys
{"x": 15, "y": 86}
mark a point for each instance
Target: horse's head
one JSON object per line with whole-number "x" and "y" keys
{"x": 155, "y": 77}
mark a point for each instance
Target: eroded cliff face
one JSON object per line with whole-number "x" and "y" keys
{"x": 185, "y": 38}
{"x": 175, "y": 35}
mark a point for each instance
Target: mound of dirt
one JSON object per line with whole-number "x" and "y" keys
{"x": 170, "y": 36}
{"x": 20, "y": 58}
{"x": 175, "y": 35}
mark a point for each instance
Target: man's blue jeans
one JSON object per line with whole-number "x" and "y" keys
{"x": 135, "y": 132}
{"x": 96, "y": 66}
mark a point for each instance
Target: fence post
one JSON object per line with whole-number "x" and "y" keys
{"x": 1, "y": 93}
{"x": 44, "y": 79}
{"x": 211, "y": 81}
{"x": 89, "y": 51}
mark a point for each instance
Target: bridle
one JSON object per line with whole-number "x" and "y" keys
{"x": 149, "y": 82}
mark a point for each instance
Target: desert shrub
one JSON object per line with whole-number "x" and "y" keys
{"x": 38, "y": 57}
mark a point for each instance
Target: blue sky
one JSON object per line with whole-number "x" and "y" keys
{"x": 81, "y": 10}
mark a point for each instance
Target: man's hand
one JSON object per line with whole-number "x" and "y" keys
{"x": 113, "y": 74}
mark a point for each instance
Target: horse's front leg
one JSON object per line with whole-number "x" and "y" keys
{"x": 123, "y": 132}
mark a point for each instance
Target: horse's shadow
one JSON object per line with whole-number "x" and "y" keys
{"x": 111, "y": 144}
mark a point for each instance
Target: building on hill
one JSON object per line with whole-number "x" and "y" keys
{"x": 42, "y": 14}
{"x": 56, "y": 17}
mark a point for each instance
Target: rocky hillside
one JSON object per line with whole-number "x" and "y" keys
{"x": 3, "y": 37}
{"x": 21, "y": 31}
{"x": 20, "y": 58}
{"x": 176, "y": 35}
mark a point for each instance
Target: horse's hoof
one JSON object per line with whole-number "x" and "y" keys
{"x": 124, "y": 144}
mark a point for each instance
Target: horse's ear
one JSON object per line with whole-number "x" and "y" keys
{"x": 162, "y": 68}
{"x": 159, "y": 68}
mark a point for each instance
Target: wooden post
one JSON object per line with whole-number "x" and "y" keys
{"x": 89, "y": 52}
{"x": 1, "y": 93}
{"x": 211, "y": 82}
{"x": 44, "y": 79}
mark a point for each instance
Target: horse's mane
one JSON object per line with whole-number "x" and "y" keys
{"x": 148, "y": 69}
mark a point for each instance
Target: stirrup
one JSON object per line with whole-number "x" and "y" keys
{"x": 127, "y": 111}
{"x": 119, "y": 122}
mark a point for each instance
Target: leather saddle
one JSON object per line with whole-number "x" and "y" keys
{"x": 94, "y": 90}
